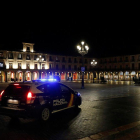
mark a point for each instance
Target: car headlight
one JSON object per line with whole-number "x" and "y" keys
{"x": 78, "y": 94}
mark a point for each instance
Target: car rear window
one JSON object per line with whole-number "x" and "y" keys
{"x": 17, "y": 89}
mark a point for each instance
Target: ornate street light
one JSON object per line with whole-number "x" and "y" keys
{"x": 40, "y": 60}
{"x": 93, "y": 63}
{"x": 82, "y": 49}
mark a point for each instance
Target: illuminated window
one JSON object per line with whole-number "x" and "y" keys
{"x": 43, "y": 66}
{"x": 35, "y": 66}
{"x": 19, "y": 65}
{"x": 10, "y": 65}
{"x": 35, "y": 57}
{"x": 1, "y": 54}
{"x": 1, "y": 64}
{"x": 27, "y": 66}
{"x": 43, "y": 56}
{"x": 19, "y": 56}
{"x": 10, "y": 55}
{"x": 27, "y": 57}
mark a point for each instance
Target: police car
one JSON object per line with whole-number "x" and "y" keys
{"x": 38, "y": 98}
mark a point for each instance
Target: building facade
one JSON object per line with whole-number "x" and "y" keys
{"x": 125, "y": 67}
{"x": 27, "y": 65}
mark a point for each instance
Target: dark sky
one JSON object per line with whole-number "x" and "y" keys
{"x": 57, "y": 28}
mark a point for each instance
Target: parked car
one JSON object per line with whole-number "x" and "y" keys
{"x": 37, "y": 99}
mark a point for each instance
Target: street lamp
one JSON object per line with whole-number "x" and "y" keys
{"x": 93, "y": 63}
{"x": 82, "y": 49}
{"x": 40, "y": 60}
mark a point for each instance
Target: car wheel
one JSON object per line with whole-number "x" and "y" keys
{"x": 45, "y": 114}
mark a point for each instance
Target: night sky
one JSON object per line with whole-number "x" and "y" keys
{"x": 57, "y": 28}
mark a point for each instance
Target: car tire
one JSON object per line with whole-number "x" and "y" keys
{"x": 45, "y": 114}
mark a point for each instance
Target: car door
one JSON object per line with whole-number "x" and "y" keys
{"x": 52, "y": 89}
{"x": 67, "y": 96}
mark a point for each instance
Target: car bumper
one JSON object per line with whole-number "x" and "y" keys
{"x": 16, "y": 112}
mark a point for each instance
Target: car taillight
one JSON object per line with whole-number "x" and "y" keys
{"x": 1, "y": 94}
{"x": 30, "y": 98}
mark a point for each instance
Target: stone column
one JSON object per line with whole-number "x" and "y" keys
{"x": 123, "y": 76}
{"x": 23, "y": 76}
{"x": 6, "y": 76}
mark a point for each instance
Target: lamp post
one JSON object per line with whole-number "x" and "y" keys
{"x": 40, "y": 60}
{"x": 82, "y": 49}
{"x": 93, "y": 63}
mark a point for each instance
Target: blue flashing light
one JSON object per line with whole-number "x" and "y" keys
{"x": 51, "y": 79}
{"x": 43, "y": 79}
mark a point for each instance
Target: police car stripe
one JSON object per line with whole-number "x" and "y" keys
{"x": 54, "y": 111}
{"x": 71, "y": 100}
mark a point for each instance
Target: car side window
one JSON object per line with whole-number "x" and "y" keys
{"x": 52, "y": 89}
{"x": 65, "y": 90}
{"x": 41, "y": 88}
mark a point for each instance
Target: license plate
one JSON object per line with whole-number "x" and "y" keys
{"x": 11, "y": 101}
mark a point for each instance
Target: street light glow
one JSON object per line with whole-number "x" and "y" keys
{"x": 82, "y": 42}
{"x": 79, "y": 48}
{"x": 83, "y": 49}
{"x": 87, "y": 48}
{"x": 93, "y": 63}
